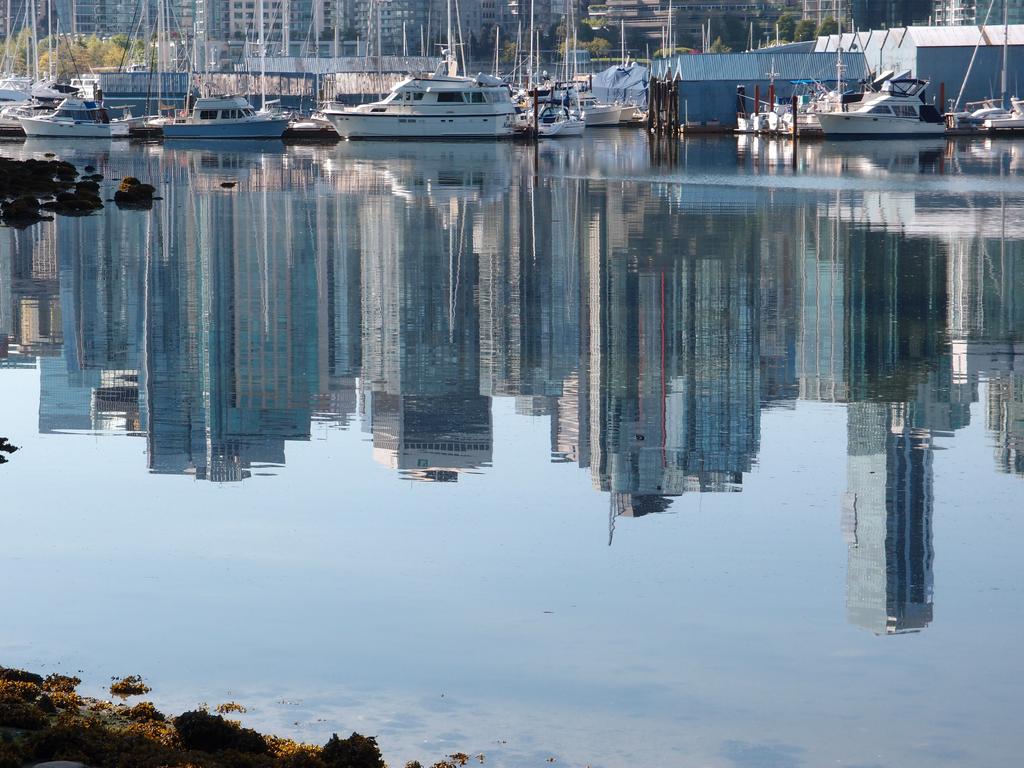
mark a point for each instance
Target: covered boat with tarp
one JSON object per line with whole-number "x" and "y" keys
{"x": 622, "y": 85}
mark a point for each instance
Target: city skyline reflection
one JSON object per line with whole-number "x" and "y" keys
{"x": 402, "y": 290}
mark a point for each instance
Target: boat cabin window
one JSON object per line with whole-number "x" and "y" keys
{"x": 881, "y": 109}
{"x": 904, "y": 110}
{"x": 478, "y": 98}
{"x": 82, "y": 115}
{"x": 417, "y": 96}
{"x": 208, "y": 114}
{"x": 449, "y": 97}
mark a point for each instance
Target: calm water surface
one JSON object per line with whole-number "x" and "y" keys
{"x": 615, "y": 456}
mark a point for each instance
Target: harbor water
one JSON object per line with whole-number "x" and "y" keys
{"x": 604, "y": 452}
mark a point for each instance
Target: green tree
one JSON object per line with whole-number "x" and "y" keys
{"x": 805, "y": 29}
{"x": 828, "y": 26}
{"x": 734, "y": 32}
{"x": 508, "y": 51}
{"x": 719, "y": 47}
{"x": 787, "y": 27}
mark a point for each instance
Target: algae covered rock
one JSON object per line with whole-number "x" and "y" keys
{"x": 357, "y": 751}
{"x": 204, "y": 732}
{"x": 132, "y": 685}
{"x": 132, "y": 193}
{"x": 21, "y": 212}
{"x": 8, "y": 674}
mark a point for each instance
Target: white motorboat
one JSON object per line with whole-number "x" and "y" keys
{"x": 441, "y": 105}
{"x": 557, "y": 121}
{"x": 224, "y": 117}
{"x": 75, "y": 119}
{"x": 595, "y": 114}
{"x": 897, "y": 110}
{"x": 1012, "y": 120}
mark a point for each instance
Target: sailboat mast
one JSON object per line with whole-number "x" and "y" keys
{"x": 448, "y": 34}
{"x": 839, "y": 54}
{"x": 33, "y": 46}
{"x": 497, "y": 41}
{"x": 1006, "y": 46}
{"x": 529, "y": 73}
{"x": 263, "y": 56}
{"x": 50, "y": 63}
{"x": 671, "y": 42}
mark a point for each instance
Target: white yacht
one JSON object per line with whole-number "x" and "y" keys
{"x": 897, "y": 110}
{"x": 74, "y": 119}
{"x": 442, "y": 105}
{"x": 224, "y": 117}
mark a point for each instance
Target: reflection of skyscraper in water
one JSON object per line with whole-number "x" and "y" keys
{"x": 529, "y": 295}
{"x": 821, "y": 348}
{"x": 1005, "y": 419}
{"x": 30, "y": 317}
{"x": 421, "y": 338}
{"x": 986, "y": 326}
{"x": 75, "y": 304}
{"x": 779, "y": 319}
{"x": 674, "y": 348}
{"x": 232, "y": 358}
{"x": 339, "y": 347}
{"x": 901, "y": 379}
{"x": 887, "y": 520}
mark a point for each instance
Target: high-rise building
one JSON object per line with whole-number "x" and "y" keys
{"x": 886, "y": 14}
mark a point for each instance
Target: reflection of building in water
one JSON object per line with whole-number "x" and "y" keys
{"x": 986, "y": 326}
{"x": 906, "y": 392}
{"x": 231, "y": 366}
{"x": 887, "y": 520}
{"x": 91, "y": 334}
{"x": 338, "y": 301}
{"x": 779, "y": 320}
{"x": 421, "y": 336}
{"x": 1005, "y": 419}
{"x": 30, "y": 312}
{"x": 674, "y": 367}
{"x": 821, "y": 347}
{"x": 529, "y": 296}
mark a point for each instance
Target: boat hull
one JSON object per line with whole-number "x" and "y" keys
{"x": 254, "y": 129}
{"x": 35, "y": 127}
{"x": 562, "y": 130}
{"x": 362, "y": 125}
{"x": 601, "y": 116}
{"x": 836, "y": 125}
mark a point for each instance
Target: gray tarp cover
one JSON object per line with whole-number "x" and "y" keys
{"x": 626, "y": 85}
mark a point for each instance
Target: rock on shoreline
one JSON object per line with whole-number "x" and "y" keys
{"x": 45, "y": 723}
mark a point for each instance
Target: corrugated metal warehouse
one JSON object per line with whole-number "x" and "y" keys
{"x": 708, "y": 81}
{"x": 938, "y": 54}
{"x": 942, "y": 55}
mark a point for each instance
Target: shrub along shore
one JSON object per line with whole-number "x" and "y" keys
{"x": 45, "y": 719}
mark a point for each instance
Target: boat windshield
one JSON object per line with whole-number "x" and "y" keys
{"x": 553, "y": 114}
